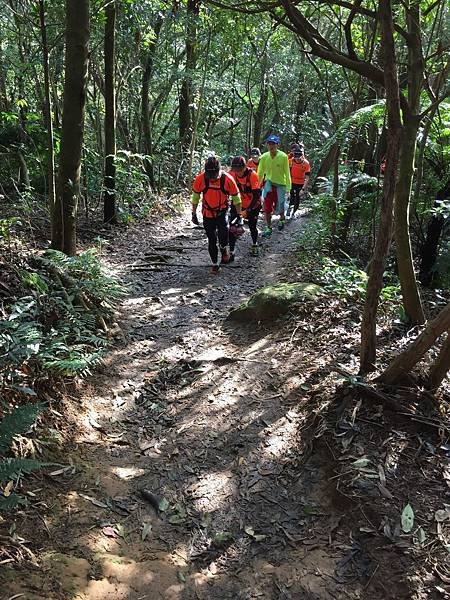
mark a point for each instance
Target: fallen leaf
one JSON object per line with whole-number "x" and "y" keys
{"x": 146, "y": 529}
{"x": 385, "y": 492}
{"x": 60, "y": 471}
{"x": 360, "y": 463}
{"x": 109, "y": 532}
{"x": 407, "y": 518}
{"x": 441, "y": 515}
{"x": 8, "y": 489}
{"x": 94, "y": 501}
{"x": 163, "y": 505}
{"x": 421, "y": 535}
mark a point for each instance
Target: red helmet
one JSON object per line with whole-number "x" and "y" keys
{"x": 237, "y": 163}
{"x": 212, "y": 167}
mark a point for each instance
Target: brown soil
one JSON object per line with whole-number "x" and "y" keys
{"x": 203, "y": 458}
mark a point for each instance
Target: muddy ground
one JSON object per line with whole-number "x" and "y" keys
{"x": 206, "y": 460}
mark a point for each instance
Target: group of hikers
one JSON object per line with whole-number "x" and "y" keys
{"x": 264, "y": 181}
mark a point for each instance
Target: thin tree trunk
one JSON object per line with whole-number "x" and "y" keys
{"x": 335, "y": 193}
{"x": 197, "y": 115}
{"x": 4, "y": 102}
{"x": 411, "y": 122}
{"x": 404, "y": 362}
{"x": 48, "y": 112}
{"x": 441, "y": 365}
{"x": 262, "y": 104}
{"x": 383, "y": 240}
{"x": 24, "y": 177}
{"x": 146, "y": 78}
{"x": 109, "y": 197}
{"x": 76, "y": 68}
{"x": 186, "y": 94}
{"x": 410, "y": 293}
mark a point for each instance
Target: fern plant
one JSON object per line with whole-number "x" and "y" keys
{"x": 16, "y": 422}
{"x": 58, "y": 327}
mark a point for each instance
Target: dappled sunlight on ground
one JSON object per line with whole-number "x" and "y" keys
{"x": 192, "y": 473}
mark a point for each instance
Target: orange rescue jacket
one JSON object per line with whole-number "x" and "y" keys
{"x": 215, "y": 193}
{"x": 299, "y": 170}
{"x": 247, "y": 184}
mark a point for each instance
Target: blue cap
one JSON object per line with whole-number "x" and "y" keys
{"x": 273, "y": 138}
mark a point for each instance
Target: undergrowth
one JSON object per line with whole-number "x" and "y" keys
{"x": 58, "y": 327}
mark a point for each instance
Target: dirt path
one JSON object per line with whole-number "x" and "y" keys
{"x": 209, "y": 420}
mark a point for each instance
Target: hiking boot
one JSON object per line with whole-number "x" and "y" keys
{"x": 231, "y": 258}
{"x": 225, "y": 256}
{"x": 281, "y": 225}
{"x": 215, "y": 269}
{"x": 254, "y": 250}
{"x": 267, "y": 232}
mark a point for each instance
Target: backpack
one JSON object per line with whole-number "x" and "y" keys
{"x": 222, "y": 185}
{"x": 222, "y": 189}
{"x": 247, "y": 188}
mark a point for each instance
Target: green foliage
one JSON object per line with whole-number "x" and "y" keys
{"x": 343, "y": 279}
{"x": 16, "y": 422}
{"x": 58, "y": 327}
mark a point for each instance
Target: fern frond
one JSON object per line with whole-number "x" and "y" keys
{"x": 12, "y": 501}
{"x": 12, "y": 468}
{"x": 18, "y": 421}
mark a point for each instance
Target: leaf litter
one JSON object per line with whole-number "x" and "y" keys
{"x": 267, "y": 470}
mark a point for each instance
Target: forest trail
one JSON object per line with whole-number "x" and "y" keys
{"x": 212, "y": 420}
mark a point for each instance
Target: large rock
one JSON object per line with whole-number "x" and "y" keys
{"x": 274, "y": 300}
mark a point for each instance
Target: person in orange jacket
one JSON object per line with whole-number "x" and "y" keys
{"x": 217, "y": 190}
{"x": 250, "y": 191}
{"x": 300, "y": 172}
{"x": 253, "y": 161}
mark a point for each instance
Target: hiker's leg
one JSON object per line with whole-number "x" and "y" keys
{"x": 211, "y": 231}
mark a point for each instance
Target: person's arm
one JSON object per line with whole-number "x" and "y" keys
{"x": 260, "y": 171}
{"x": 287, "y": 175}
{"x": 305, "y": 185}
{"x": 195, "y": 200}
{"x": 236, "y": 200}
{"x": 307, "y": 174}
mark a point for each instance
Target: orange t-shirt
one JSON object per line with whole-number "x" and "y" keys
{"x": 299, "y": 170}
{"x": 246, "y": 184}
{"x": 251, "y": 164}
{"x": 216, "y": 195}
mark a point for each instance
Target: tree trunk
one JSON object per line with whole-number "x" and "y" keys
{"x": 406, "y": 360}
{"x": 75, "y": 76}
{"x": 186, "y": 94}
{"x": 410, "y": 293}
{"x": 197, "y": 116}
{"x": 383, "y": 240}
{"x": 146, "y": 78}
{"x": 411, "y": 122}
{"x": 109, "y": 194}
{"x": 335, "y": 194}
{"x": 4, "y": 102}
{"x": 441, "y": 366}
{"x": 328, "y": 161}
{"x": 47, "y": 111}
{"x": 24, "y": 177}
{"x": 262, "y": 104}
